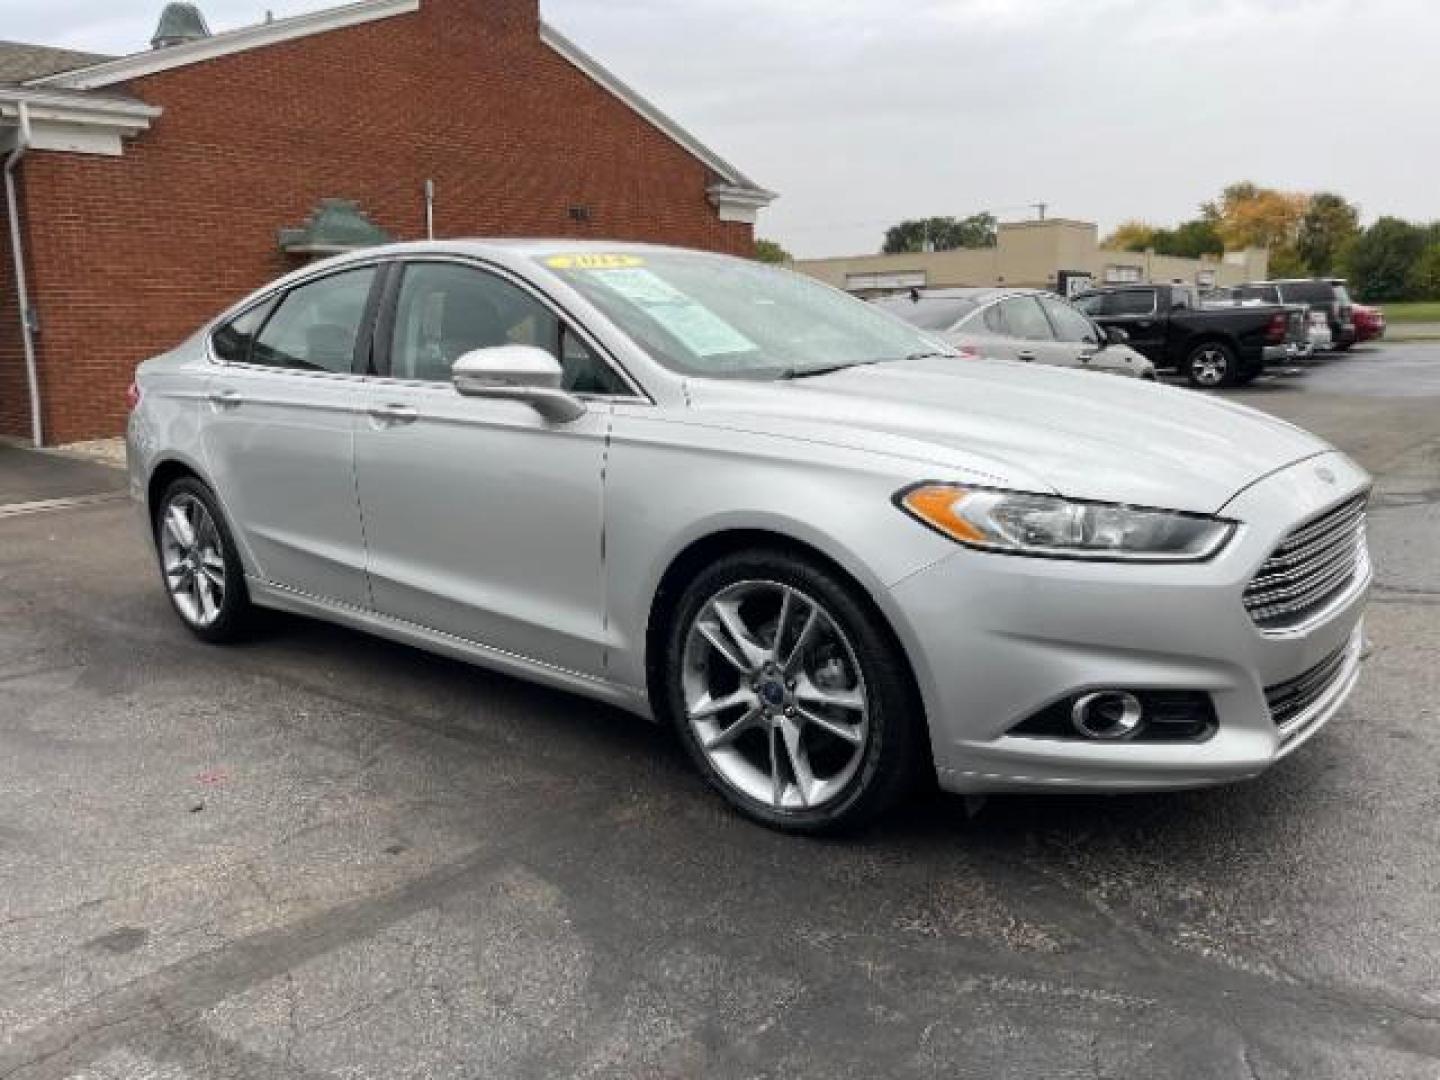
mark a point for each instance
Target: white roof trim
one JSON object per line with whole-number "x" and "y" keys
{"x": 123, "y": 114}
{"x": 152, "y": 61}
{"x": 733, "y": 177}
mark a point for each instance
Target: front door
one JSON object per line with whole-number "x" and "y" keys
{"x": 1076, "y": 335}
{"x": 482, "y": 519}
{"x": 279, "y": 443}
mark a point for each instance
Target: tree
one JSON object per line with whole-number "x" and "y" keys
{"x": 1329, "y": 223}
{"x": 1132, "y": 235}
{"x": 1247, "y": 215}
{"x": 768, "y": 251}
{"x": 1425, "y": 274}
{"x": 1190, "y": 239}
{"x": 1381, "y": 261}
{"x": 941, "y": 233}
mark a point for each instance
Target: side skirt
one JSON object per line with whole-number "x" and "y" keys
{"x": 269, "y": 595}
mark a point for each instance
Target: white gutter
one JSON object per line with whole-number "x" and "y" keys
{"x": 27, "y": 333}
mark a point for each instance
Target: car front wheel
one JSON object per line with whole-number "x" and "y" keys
{"x": 199, "y": 563}
{"x": 790, "y": 695}
{"x": 1211, "y": 365}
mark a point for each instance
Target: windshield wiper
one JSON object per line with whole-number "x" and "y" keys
{"x": 824, "y": 369}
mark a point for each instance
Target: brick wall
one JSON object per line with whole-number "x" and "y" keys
{"x": 130, "y": 254}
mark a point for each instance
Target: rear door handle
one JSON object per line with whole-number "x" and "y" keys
{"x": 1026, "y": 355}
{"x": 224, "y": 399}
{"x": 1086, "y": 357}
{"x": 394, "y": 414}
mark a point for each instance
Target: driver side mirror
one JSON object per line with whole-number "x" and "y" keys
{"x": 1115, "y": 336}
{"x": 517, "y": 373}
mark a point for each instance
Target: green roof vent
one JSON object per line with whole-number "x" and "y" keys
{"x": 179, "y": 23}
{"x": 335, "y": 225}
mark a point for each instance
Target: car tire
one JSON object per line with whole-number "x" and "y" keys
{"x": 199, "y": 563}
{"x": 824, "y": 730}
{"x": 1211, "y": 365}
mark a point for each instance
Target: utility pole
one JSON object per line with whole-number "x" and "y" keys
{"x": 1040, "y": 209}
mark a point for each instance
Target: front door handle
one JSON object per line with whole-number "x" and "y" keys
{"x": 1026, "y": 355}
{"x": 394, "y": 414}
{"x": 224, "y": 399}
{"x": 1086, "y": 357}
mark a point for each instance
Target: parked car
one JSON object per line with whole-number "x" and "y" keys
{"x": 731, "y": 498}
{"x": 1369, "y": 322}
{"x": 1211, "y": 346}
{"x": 1328, "y": 296}
{"x": 1317, "y": 331}
{"x": 1028, "y": 325}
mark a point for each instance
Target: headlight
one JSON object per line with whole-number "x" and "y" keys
{"x": 1024, "y": 524}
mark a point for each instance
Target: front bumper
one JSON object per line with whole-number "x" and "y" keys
{"x": 995, "y": 638}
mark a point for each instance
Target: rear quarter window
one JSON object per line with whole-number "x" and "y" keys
{"x": 232, "y": 340}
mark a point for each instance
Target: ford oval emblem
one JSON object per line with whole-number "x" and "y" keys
{"x": 1325, "y": 474}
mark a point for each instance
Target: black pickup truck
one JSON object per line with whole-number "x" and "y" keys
{"x": 1212, "y": 346}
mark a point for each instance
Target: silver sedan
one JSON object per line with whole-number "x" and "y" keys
{"x": 1026, "y": 325}
{"x": 740, "y": 502}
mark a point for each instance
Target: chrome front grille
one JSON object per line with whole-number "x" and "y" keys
{"x": 1313, "y": 565}
{"x": 1290, "y": 700}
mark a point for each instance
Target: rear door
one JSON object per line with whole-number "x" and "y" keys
{"x": 1135, "y": 312}
{"x": 1020, "y": 331}
{"x": 279, "y": 439}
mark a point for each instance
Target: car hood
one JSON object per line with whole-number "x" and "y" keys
{"x": 1077, "y": 433}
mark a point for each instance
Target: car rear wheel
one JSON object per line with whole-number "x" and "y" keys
{"x": 199, "y": 563}
{"x": 790, "y": 694}
{"x": 1211, "y": 365}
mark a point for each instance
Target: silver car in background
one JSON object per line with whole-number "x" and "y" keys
{"x": 1028, "y": 325}
{"x": 738, "y": 501}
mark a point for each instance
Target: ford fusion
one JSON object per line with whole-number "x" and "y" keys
{"x": 832, "y": 554}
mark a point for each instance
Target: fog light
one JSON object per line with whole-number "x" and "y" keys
{"x": 1116, "y": 715}
{"x": 1107, "y": 714}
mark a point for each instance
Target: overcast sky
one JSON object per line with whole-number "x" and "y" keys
{"x": 863, "y": 112}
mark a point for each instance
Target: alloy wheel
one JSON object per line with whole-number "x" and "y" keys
{"x": 192, "y": 559}
{"x": 1209, "y": 366}
{"x": 774, "y": 695}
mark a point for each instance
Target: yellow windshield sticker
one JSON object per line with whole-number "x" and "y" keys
{"x": 593, "y": 261}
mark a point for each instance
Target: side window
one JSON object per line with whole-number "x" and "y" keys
{"x": 1092, "y": 305}
{"x": 1131, "y": 302}
{"x": 233, "y": 340}
{"x": 995, "y": 320}
{"x": 1069, "y": 324}
{"x": 315, "y": 326}
{"x": 584, "y": 372}
{"x": 1024, "y": 318}
{"x": 445, "y": 310}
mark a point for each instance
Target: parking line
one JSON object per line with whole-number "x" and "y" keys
{"x": 44, "y": 506}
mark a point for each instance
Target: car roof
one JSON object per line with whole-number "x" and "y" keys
{"x": 978, "y": 295}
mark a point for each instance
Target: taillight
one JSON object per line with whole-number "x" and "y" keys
{"x": 132, "y": 395}
{"x": 1275, "y": 332}
{"x": 969, "y": 352}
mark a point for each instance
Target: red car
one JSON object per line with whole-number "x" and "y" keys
{"x": 1369, "y": 323}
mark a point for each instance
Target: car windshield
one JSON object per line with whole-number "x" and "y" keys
{"x": 723, "y": 317}
{"x": 928, "y": 312}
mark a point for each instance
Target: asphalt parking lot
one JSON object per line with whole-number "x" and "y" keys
{"x": 321, "y": 854}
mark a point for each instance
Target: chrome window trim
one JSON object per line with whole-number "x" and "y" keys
{"x": 639, "y": 394}
{"x": 268, "y": 293}
{"x": 563, "y": 316}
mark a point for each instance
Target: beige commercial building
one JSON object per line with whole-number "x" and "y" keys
{"x": 1054, "y": 254}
